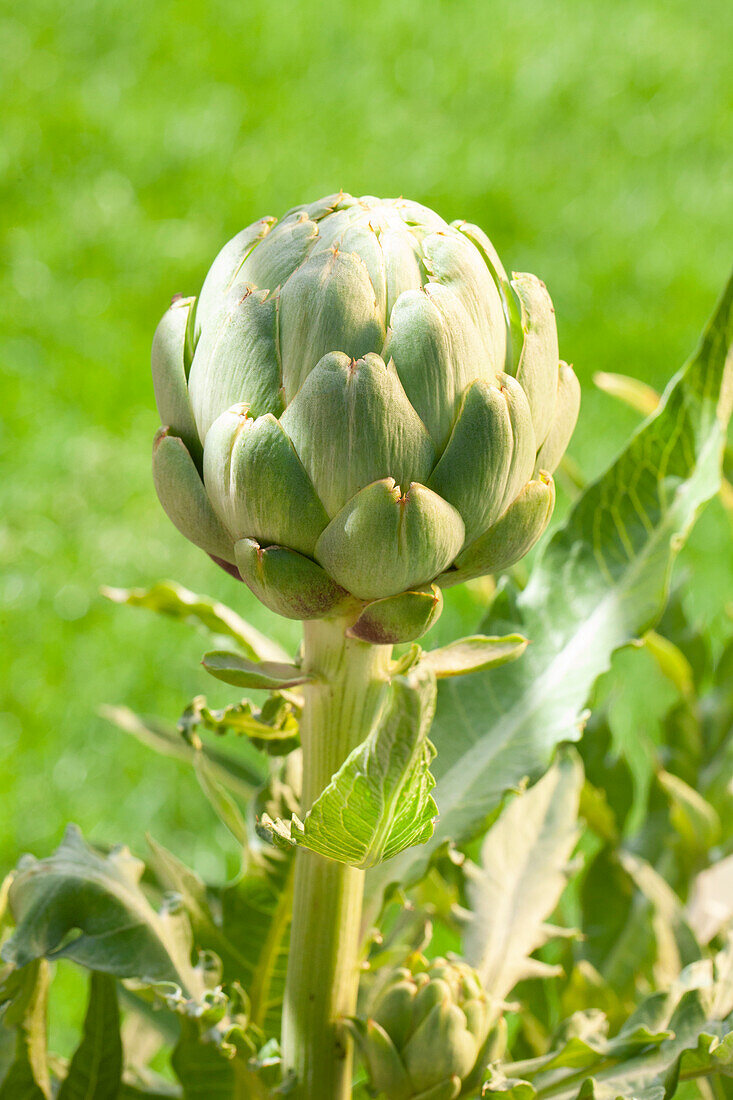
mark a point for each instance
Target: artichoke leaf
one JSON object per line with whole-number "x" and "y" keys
{"x": 276, "y": 257}
{"x": 287, "y": 582}
{"x": 351, "y": 424}
{"x": 181, "y": 492}
{"x": 236, "y": 360}
{"x": 257, "y": 483}
{"x": 383, "y": 541}
{"x": 328, "y": 304}
{"x": 400, "y": 618}
{"x": 171, "y": 361}
{"x": 223, "y": 273}
{"x": 472, "y": 472}
{"x": 453, "y": 261}
{"x": 563, "y": 424}
{"x": 512, "y": 536}
{"x": 538, "y": 362}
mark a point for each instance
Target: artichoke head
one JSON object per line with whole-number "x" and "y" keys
{"x": 360, "y": 404}
{"x": 426, "y": 1032}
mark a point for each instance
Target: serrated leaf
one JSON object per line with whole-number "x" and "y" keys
{"x": 379, "y": 801}
{"x": 274, "y": 726}
{"x": 80, "y": 905}
{"x": 679, "y": 1035}
{"x": 23, "y": 1008}
{"x": 602, "y": 581}
{"x": 473, "y": 654}
{"x": 522, "y": 873}
{"x": 270, "y": 675}
{"x": 237, "y": 774}
{"x": 175, "y": 601}
{"x": 95, "y": 1072}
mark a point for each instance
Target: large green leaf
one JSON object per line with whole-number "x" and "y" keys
{"x": 522, "y": 873}
{"x": 379, "y": 801}
{"x": 169, "y": 598}
{"x": 95, "y": 1072}
{"x": 80, "y": 905}
{"x": 602, "y": 580}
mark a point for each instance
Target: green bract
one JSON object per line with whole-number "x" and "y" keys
{"x": 425, "y": 1035}
{"x": 360, "y": 403}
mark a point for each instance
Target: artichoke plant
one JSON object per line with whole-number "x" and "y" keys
{"x": 425, "y": 1035}
{"x": 361, "y": 406}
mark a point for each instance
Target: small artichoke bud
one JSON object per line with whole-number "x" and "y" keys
{"x": 361, "y": 402}
{"x": 426, "y": 1032}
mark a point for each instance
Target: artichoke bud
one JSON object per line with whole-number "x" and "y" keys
{"x": 334, "y": 404}
{"x": 286, "y": 582}
{"x": 538, "y": 362}
{"x": 401, "y": 618}
{"x": 257, "y": 483}
{"x": 514, "y": 533}
{"x": 171, "y": 361}
{"x": 236, "y": 360}
{"x": 224, "y": 272}
{"x": 184, "y": 499}
{"x": 383, "y": 541}
{"x": 563, "y": 424}
{"x": 352, "y": 424}
{"x": 426, "y": 1032}
{"x": 327, "y": 304}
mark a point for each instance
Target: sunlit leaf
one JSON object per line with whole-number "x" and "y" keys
{"x": 379, "y": 801}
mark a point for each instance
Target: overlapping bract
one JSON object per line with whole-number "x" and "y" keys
{"x": 360, "y": 403}
{"x": 426, "y": 1035}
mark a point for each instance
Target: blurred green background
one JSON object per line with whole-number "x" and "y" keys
{"x": 592, "y": 141}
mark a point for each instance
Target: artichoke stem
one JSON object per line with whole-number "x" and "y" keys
{"x": 341, "y": 707}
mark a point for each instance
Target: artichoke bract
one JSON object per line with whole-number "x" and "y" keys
{"x": 359, "y": 404}
{"x": 425, "y": 1035}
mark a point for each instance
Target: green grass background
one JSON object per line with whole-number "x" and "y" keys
{"x": 591, "y": 140}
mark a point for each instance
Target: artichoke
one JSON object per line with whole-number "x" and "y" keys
{"x": 426, "y": 1034}
{"x": 361, "y": 407}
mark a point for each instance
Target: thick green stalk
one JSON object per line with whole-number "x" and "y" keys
{"x": 323, "y": 966}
